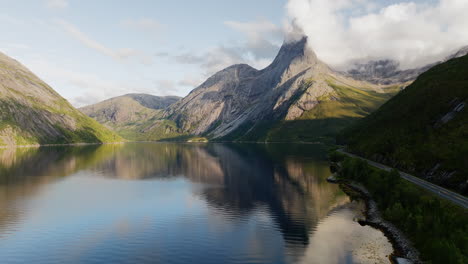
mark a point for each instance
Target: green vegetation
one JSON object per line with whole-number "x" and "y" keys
{"x": 322, "y": 123}
{"x": 197, "y": 140}
{"x": 136, "y": 117}
{"x": 438, "y": 228}
{"x": 32, "y": 113}
{"x": 407, "y": 131}
{"x": 21, "y": 124}
{"x": 163, "y": 129}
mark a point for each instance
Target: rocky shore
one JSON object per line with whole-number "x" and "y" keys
{"x": 404, "y": 252}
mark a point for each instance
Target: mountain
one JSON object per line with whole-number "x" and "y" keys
{"x": 31, "y": 112}
{"x": 296, "y": 98}
{"x": 384, "y": 72}
{"x": 460, "y": 53}
{"x": 133, "y": 116}
{"x": 387, "y": 72}
{"x": 422, "y": 130}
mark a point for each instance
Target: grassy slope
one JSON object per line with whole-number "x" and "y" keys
{"x": 87, "y": 130}
{"x": 402, "y": 132}
{"x": 321, "y": 123}
{"x": 26, "y": 116}
{"x": 330, "y": 116}
{"x": 152, "y": 129}
{"x": 139, "y": 123}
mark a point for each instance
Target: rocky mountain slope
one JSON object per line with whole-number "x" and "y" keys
{"x": 31, "y": 112}
{"x": 388, "y": 72}
{"x": 296, "y": 98}
{"x": 384, "y": 72}
{"x": 133, "y": 116}
{"x": 423, "y": 129}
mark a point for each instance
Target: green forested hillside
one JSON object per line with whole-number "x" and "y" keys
{"x": 423, "y": 129}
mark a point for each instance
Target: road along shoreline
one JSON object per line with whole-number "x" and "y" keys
{"x": 441, "y": 192}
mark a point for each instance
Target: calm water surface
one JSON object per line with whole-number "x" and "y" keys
{"x": 178, "y": 203}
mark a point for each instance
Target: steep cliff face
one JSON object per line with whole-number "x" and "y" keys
{"x": 31, "y": 112}
{"x": 242, "y": 103}
{"x": 133, "y": 116}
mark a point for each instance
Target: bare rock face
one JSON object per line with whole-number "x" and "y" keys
{"x": 241, "y": 93}
{"x": 223, "y": 96}
{"x": 309, "y": 99}
{"x": 241, "y": 96}
{"x": 31, "y": 112}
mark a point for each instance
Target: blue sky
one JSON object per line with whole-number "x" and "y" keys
{"x": 93, "y": 50}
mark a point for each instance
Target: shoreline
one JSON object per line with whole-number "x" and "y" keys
{"x": 59, "y": 145}
{"x": 403, "y": 249}
{"x": 122, "y": 142}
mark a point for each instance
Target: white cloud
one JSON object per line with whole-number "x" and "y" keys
{"x": 93, "y": 44}
{"x": 261, "y": 45}
{"x": 412, "y": 33}
{"x": 190, "y": 81}
{"x": 57, "y": 4}
{"x": 117, "y": 54}
{"x": 146, "y": 25}
{"x": 10, "y": 47}
{"x": 263, "y": 37}
{"x": 83, "y": 88}
{"x": 166, "y": 87}
{"x": 255, "y": 29}
{"x": 213, "y": 60}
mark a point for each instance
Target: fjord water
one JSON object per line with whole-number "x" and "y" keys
{"x": 178, "y": 203}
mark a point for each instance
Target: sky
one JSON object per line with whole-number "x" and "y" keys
{"x": 90, "y": 50}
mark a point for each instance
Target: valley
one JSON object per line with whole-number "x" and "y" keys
{"x": 290, "y": 132}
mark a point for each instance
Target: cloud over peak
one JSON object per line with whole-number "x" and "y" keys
{"x": 411, "y": 32}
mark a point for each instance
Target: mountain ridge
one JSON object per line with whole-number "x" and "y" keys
{"x": 32, "y": 113}
{"x": 295, "y": 98}
{"x": 386, "y": 71}
{"x": 244, "y": 96}
{"x": 130, "y": 115}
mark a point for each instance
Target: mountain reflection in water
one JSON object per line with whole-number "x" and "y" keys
{"x": 167, "y": 202}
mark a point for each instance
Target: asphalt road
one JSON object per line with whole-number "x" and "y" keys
{"x": 437, "y": 190}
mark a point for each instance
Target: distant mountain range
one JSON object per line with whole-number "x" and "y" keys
{"x": 423, "y": 129}
{"x": 31, "y": 112}
{"x": 296, "y": 98}
{"x": 388, "y": 72}
{"x": 133, "y": 116}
